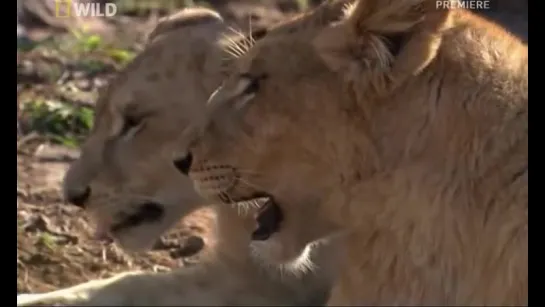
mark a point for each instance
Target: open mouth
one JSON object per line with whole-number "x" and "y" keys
{"x": 146, "y": 213}
{"x": 269, "y": 219}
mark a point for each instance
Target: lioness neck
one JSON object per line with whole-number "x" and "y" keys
{"x": 443, "y": 210}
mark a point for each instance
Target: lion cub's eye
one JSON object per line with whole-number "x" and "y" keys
{"x": 252, "y": 83}
{"x": 130, "y": 124}
{"x": 247, "y": 88}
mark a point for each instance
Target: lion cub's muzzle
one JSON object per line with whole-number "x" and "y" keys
{"x": 211, "y": 181}
{"x": 148, "y": 212}
{"x": 221, "y": 182}
{"x": 108, "y": 229}
{"x": 215, "y": 182}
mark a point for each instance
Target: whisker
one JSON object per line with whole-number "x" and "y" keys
{"x": 234, "y": 48}
{"x": 244, "y": 39}
{"x": 250, "y": 28}
{"x": 251, "y": 35}
{"x": 238, "y": 47}
{"x": 236, "y": 32}
{"x": 232, "y": 54}
{"x": 235, "y": 45}
{"x": 250, "y": 184}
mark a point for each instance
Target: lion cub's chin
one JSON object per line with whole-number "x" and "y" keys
{"x": 137, "y": 239}
{"x": 140, "y": 238}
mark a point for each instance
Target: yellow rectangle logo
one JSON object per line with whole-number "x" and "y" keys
{"x": 63, "y": 8}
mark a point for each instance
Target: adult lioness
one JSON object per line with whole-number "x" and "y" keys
{"x": 126, "y": 180}
{"x": 404, "y": 129}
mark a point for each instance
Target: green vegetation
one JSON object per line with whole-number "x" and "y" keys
{"x": 52, "y": 112}
{"x": 60, "y": 121}
{"x": 47, "y": 240}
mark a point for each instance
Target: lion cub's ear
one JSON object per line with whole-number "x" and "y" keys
{"x": 189, "y": 17}
{"x": 380, "y": 43}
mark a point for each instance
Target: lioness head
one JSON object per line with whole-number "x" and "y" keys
{"x": 320, "y": 107}
{"x": 124, "y": 177}
{"x": 251, "y": 147}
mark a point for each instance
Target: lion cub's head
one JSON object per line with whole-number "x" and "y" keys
{"x": 316, "y": 107}
{"x": 124, "y": 177}
{"x": 240, "y": 153}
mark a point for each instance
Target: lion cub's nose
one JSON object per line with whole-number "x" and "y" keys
{"x": 77, "y": 197}
{"x": 183, "y": 164}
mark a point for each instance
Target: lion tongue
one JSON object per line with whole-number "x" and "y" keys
{"x": 268, "y": 220}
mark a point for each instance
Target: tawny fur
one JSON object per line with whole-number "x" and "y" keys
{"x": 417, "y": 157}
{"x": 166, "y": 86}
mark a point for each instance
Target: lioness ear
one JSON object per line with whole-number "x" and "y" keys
{"x": 189, "y": 17}
{"x": 380, "y": 43}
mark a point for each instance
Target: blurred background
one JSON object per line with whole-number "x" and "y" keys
{"x": 61, "y": 63}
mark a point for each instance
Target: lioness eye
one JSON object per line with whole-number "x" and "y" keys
{"x": 253, "y": 83}
{"x": 252, "y": 87}
{"x": 130, "y": 123}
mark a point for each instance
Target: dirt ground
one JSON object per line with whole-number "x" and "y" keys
{"x": 55, "y": 247}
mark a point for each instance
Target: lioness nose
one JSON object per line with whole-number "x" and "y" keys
{"x": 183, "y": 164}
{"x": 78, "y": 197}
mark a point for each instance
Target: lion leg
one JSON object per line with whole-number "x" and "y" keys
{"x": 183, "y": 287}
{"x": 192, "y": 286}
{"x": 106, "y": 292}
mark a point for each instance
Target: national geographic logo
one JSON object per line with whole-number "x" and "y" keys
{"x": 69, "y": 8}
